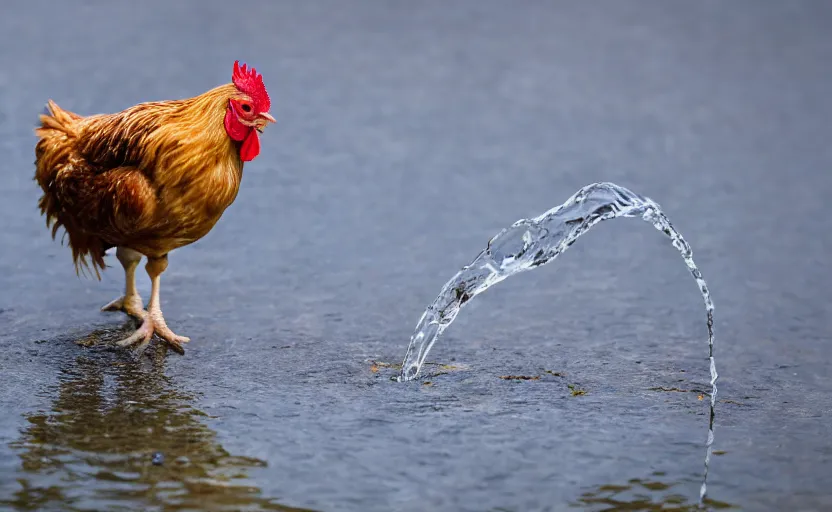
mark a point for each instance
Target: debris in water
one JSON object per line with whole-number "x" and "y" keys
{"x": 158, "y": 459}
{"x": 575, "y": 391}
{"x": 380, "y": 364}
{"x": 677, "y": 390}
{"x": 520, "y": 377}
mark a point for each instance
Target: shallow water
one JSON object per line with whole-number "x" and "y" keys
{"x": 405, "y": 139}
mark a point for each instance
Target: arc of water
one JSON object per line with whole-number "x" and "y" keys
{"x": 530, "y": 243}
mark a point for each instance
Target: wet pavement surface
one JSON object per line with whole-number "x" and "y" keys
{"x": 406, "y": 137}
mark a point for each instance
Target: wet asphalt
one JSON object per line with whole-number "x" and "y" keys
{"x": 407, "y": 135}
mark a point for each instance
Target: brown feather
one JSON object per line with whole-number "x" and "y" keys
{"x": 152, "y": 178}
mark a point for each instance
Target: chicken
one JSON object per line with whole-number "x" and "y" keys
{"x": 147, "y": 180}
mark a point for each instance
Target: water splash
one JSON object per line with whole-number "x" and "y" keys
{"x": 530, "y": 243}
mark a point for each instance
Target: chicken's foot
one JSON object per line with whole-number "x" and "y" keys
{"x": 153, "y": 322}
{"x": 131, "y": 302}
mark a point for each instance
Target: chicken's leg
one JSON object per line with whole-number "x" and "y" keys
{"x": 153, "y": 321}
{"x": 131, "y": 302}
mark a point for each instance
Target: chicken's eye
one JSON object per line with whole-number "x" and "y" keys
{"x": 246, "y": 107}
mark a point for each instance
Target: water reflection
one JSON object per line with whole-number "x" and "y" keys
{"x": 644, "y": 495}
{"x": 112, "y": 413}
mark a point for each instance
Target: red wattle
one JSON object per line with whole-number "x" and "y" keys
{"x": 251, "y": 146}
{"x": 240, "y": 132}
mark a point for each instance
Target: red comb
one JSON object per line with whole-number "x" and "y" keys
{"x": 251, "y": 83}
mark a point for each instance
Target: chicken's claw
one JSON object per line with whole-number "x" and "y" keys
{"x": 154, "y": 323}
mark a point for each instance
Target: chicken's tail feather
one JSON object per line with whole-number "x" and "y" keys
{"x": 54, "y": 118}
{"x": 57, "y": 173}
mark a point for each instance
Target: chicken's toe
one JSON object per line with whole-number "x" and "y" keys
{"x": 116, "y": 305}
{"x": 164, "y": 332}
{"x": 130, "y": 304}
{"x": 141, "y": 336}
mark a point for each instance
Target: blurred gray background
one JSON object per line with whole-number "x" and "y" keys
{"x": 407, "y": 135}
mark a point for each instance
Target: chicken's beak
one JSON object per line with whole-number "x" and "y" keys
{"x": 265, "y": 116}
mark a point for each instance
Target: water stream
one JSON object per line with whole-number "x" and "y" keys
{"x": 531, "y": 243}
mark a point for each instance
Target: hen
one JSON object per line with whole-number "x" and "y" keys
{"x": 148, "y": 180}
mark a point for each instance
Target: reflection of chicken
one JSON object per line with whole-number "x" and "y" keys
{"x": 93, "y": 450}
{"x": 148, "y": 180}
